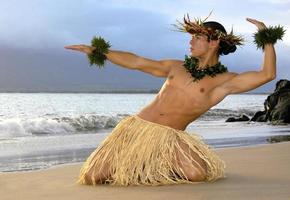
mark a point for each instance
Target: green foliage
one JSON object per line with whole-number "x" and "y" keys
{"x": 191, "y": 64}
{"x": 268, "y": 35}
{"x": 98, "y": 56}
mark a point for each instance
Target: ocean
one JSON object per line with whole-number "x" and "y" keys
{"x": 39, "y": 130}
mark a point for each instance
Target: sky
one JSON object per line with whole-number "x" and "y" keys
{"x": 34, "y": 32}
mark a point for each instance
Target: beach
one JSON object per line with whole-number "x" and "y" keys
{"x": 38, "y": 131}
{"x": 256, "y": 172}
{"x": 46, "y": 138}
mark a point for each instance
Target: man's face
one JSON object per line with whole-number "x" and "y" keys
{"x": 198, "y": 45}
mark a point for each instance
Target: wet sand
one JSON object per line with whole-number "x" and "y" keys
{"x": 259, "y": 172}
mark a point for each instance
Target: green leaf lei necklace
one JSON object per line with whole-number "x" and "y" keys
{"x": 191, "y": 64}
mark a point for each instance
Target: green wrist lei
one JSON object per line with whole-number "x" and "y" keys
{"x": 191, "y": 64}
{"x": 268, "y": 35}
{"x": 98, "y": 56}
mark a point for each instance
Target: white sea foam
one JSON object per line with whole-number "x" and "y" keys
{"x": 11, "y": 128}
{"x": 40, "y": 130}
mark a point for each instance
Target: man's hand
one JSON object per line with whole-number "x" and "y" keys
{"x": 260, "y": 25}
{"x": 82, "y": 48}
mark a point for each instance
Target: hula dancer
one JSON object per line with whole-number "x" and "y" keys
{"x": 151, "y": 147}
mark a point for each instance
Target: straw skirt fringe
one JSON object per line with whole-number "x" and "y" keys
{"x": 140, "y": 152}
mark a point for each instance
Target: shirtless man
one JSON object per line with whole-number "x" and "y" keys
{"x": 180, "y": 100}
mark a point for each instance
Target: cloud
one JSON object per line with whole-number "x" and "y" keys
{"x": 275, "y": 2}
{"x": 143, "y": 27}
{"x": 42, "y": 24}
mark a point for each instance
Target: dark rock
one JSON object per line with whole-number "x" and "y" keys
{"x": 282, "y": 84}
{"x": 239, "y": 119}
{"x": 231, "y": 119}
{"x": 277, "y": 105}
{"x": 259, "y": 116}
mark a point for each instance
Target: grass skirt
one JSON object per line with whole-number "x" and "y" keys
{"x": 140, "y": 152}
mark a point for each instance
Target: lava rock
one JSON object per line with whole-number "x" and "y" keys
{"x": 242, "y": 118}
{"x": 277, "y": 105}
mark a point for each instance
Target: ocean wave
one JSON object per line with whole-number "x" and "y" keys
{"x": 47, "y": 125}
{"x": 91, "y": 122}
{"x": 11, "y": 128}
{"x": 217, "y": 113}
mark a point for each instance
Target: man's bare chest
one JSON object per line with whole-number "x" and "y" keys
{"x": 196, "y": 93}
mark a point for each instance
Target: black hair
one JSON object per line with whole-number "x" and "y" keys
{"x": 224, "y": 47}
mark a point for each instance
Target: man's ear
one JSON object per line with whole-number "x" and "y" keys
{"x": 214, "y": 43}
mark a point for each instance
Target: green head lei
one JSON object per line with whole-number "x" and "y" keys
{"x": 197, "y": 27}
{"x": 268, "y": 35}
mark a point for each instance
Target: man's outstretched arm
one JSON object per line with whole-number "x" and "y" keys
{"x": 132, "y": 61}
{"x": 252, "y": 79}
{"x": 160, "y": 68}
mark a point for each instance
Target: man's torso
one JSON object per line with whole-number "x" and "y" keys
{"x": 180, "y": 100}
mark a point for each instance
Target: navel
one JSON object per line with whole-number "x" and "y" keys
{"x": 171, "y": 77}
{"x": 201, "y": 89}
{"x": 161, "y": 114}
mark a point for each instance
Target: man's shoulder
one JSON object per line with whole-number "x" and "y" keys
{"x": 174, "y": 62}
{"x": 230, "y": 75}
{"x": 224, "y": 80}
{"x": 219, "y": 92}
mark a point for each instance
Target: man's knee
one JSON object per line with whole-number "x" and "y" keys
{"x": 195, "y": 176}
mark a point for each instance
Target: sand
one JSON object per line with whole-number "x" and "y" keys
{"x": 260, "y": 172}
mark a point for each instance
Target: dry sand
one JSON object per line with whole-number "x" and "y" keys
{"x": 261, "y": 172}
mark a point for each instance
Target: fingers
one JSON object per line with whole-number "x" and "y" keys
{"x": 252, "y": 20}
{"x": 71, "y": 47}
{"x": 81, "y": 48}
{"x": 74, "y": 47}
{"x": 260, "y": 25}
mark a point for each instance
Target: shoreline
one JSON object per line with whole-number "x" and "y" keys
{"x": 260, "y": 172}
{"x": 50, "y": 158}
{"x": 81, "y": 162}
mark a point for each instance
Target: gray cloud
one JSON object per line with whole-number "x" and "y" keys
{"x": 34, "y": 33}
